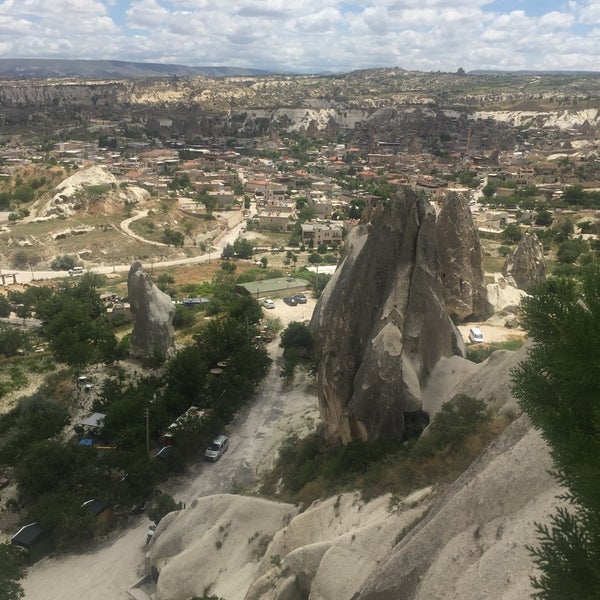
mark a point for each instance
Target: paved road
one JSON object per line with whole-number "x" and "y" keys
{"x": 219, "y": 243}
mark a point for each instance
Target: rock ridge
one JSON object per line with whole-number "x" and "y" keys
{"x": 381, "y": 324}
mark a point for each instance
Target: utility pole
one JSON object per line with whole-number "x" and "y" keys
{"x": 147, "y": 415}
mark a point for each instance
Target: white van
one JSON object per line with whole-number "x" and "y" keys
{"x": 216, "y": 448}
{"x": 76, "y": 271}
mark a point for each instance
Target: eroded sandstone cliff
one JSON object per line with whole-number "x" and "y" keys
{"x": 381, "y": 325}
{"x": 461, "y": 261}
{"x": 153, "y": 314}
{"x": 526, "y": 266}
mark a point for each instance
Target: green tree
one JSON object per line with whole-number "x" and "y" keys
{"x": 564, "y": 229}
{"x": 298, "y": 336}
{"x": 11, "y": 572}
{"x": 543, "y": 218}
{"x": 75, "y": 323}
{"x": 62, "y": 263}
{"x": 559, "y": 388}
{"x": 512, "y": 233}
{"x": 4, "y": 306}
{"x": 172, "y": 237}
{"x": 243, "y": 248}
{"x": 569, "y": 251}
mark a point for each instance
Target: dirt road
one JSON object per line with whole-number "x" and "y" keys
{"x": 108, "y": 569}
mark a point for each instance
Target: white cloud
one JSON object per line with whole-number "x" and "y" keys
{"x": 306, "y": 35}
{"x": 589, "y": 13}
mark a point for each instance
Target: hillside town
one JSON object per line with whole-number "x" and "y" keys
{"x": 333, "y": 182}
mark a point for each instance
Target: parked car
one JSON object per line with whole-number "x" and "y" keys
{"x": 268, "y": 303}
{"x": 216, "y": 448}
{"x": 475, "y": 335}
{"x": 290, "y": 300}
{"x": 300, "y": 298}
{"x": 76, "y": 271}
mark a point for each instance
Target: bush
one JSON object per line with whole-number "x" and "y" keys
{"x": 457, "y": 419}
{"x": 184, "y": 317}
{"x": 479, "y": 352}
{"x": 11, "y": 340}
{"x": 161, "y": 506}
{"x": 63, "y": 263}
{"x": 297, "y": 343}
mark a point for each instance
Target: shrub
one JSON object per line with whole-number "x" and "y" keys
{"x": 161, "y": 506}
{"x": 457, "y": 419}
{"x": 479, "y": 352}
{"x": 62, "y": 263}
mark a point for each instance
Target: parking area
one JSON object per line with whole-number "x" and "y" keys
{"x": 288, "y": 313}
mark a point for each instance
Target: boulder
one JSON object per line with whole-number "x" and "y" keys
{"x": 461, "y": 261}
{"x": 526, "y": 266}
{"x": 381, "y": 324}
{"x": 153, "y": 313}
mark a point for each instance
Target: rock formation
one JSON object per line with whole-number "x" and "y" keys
{"x": 461, "y": 261}
{"x": 526, "y": 266}
{"x": 468, "y": 542}
{"x": 153, "y": 314}
{"x": 218, "y": 534}
{"x": 381, "y": 324}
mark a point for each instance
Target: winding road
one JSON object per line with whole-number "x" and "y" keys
{"x": 228, "y": 237}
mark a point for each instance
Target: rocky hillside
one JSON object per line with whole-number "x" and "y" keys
{"x": 469, "y": 542}
{"x": 390, "y": 102}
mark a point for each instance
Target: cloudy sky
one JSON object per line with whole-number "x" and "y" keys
{"x": 310, "y": 36}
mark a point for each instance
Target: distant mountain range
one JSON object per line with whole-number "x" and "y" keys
{"x": 27, "y": 68}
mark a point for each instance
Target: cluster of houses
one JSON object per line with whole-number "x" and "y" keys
{"x": 228, "y": 173}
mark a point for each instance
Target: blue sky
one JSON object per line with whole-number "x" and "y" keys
{"x": 310, "y": 36}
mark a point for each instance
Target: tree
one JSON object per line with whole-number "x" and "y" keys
{"x": 243, "y": 248}
{"x": 171, "y": 237}
{"x": 4, "y": 306}
{"x": 558, "y": 387}
{"x": 75, "y": 323}
{"x": 314, "y": 258}
{"x": 297, "y": 335}
{"x": 512, "y": 233}
{"x": 11, "y": 572}
{"x": 62, "y": 263}
{"x": 543, "y": 218}
{"x": 569, "y": 251}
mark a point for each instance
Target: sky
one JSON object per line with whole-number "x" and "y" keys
{"x": 310, "y": 36}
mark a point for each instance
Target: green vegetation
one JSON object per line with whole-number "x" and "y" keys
{"x": 297, "y": 344}
{"x": 55, "y": 475}
{"x": 63, "y": 263}
{"x": 310, "y": 468}
{"x": 75, "y": 323}
{"x": 479, "y": 352}
{"x": 558, "y": 387}
{"x": 11, "y": 573}
{"x": 241, "y": 248}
